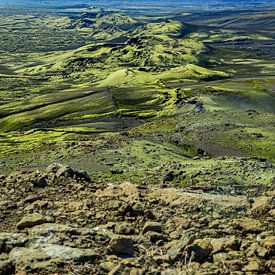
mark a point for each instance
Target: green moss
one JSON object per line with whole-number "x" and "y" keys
{"x": 254, "y": 141}
{"x": 133, "y": 62}
{"x": 28, "y": 141}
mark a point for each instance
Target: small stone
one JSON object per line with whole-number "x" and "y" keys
{"x": 124, "y": 229}
{"x": 251, "y": 251}
{"x": 253, "y": 266}
{"x": 53, "y": 168}
{"x": 220, "y": 257}
{"x": 261, "y": 205}
{"x": 155, "y": 236}
{"x": 271, "y": 266}
{"x": 176, "y": 248}
{"x": 269, "y": 244}
{"x": 175, "y": 235}
{"x": 65, "y": 171}
{"x": 40, "y": 181}
{"x": 7, "y": 205}
{"x": 272, "y": 213}
{"x": 137, "y": 271}
{"x": 262, "y": 252}
{"x": 107, "y": 266}
{"x": 32, "y": 220}
{"x": 201, "y": 250}
{"x": 116, "y": 171}
{"x": 121, "y": 245}
{"x": 117, "y": 270}
{"x": 225, "y": 244}
{"x": 162, "y": 259}
{"x": 124, "y": 209}
{"x": 169, "y": 176}
{"x": 83, "y": 175}
{"x": 7, "y": 267}
{"x": 152, "y": 226}
{"x": 182, "y": 223}
{"x": 32, "y": 198}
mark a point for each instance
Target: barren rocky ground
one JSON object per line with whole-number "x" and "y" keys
{"x": 61, "y": 221}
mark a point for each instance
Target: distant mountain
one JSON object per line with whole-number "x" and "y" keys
{"x": 125, "y": 2}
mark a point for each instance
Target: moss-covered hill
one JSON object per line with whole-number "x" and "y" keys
{"x": 160, "y": 135}
{"x": 58, "y": 83}
{"x": 146, "y": 50}
{"x": 187, "y": 97}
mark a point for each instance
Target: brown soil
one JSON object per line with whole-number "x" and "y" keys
{"x": 61, "y": 222}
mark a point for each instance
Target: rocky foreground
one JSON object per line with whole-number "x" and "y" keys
{"x": 64, "y": 222}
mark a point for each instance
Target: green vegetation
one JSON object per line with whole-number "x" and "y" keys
{"x": 137, "y": 139}
{"x": 191, "y": 98}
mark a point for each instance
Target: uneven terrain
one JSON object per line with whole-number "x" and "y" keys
{"x": 136, "y": 141}
{"x": 67, "y": 223}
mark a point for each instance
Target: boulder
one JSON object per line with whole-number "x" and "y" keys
{"x": 252, "y": 249}
{"x": 32, "y": 220}
{"x": 253, "y": 266}
{"x": 247, "y": 225}
{"x": 225, "y": 244}
{"x": 46, "y": 228}
{"x": 43, "y": 252}
{"x": 65, "y": 171}
{"x": 59, "y": 170}
{"x": 10, "y": 240}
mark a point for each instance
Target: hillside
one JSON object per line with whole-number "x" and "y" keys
{"x": 137, "y": 139}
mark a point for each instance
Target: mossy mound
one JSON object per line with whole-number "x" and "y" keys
{"x": 152, "y": 47}
{"x": 133, "y": 77}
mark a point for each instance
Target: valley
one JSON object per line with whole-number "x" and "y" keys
{"x": 149, "y": 102}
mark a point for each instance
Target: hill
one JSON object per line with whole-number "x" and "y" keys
{"x": 137, "y": 139}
